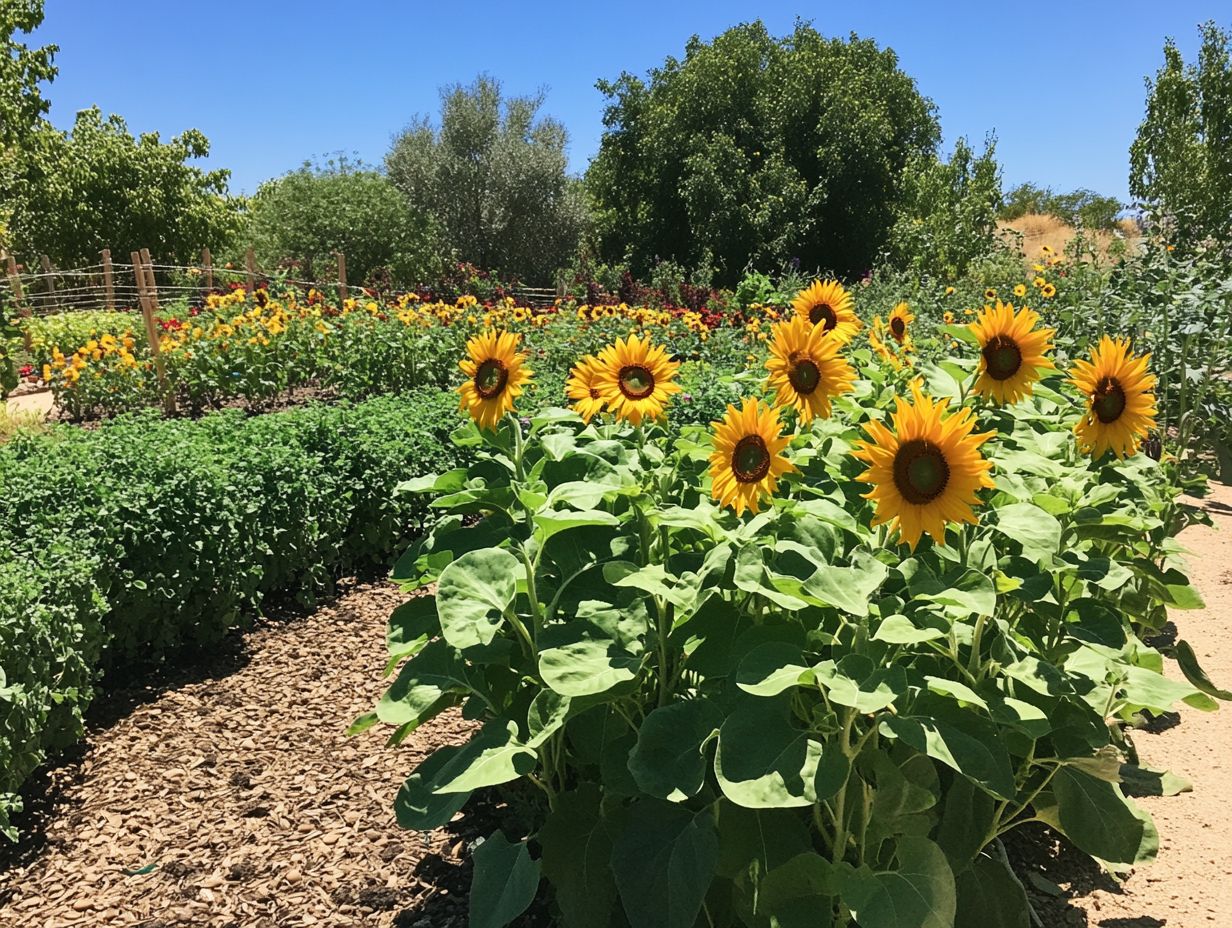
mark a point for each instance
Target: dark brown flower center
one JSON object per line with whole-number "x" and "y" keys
{"x": 1108, "y": 403}
{"x": 594, "y": 393}
{"x": 898, "y": 328}
{"x": 490, "y": 378}
{"x": 804, "y": 374}
{"x": 920, "y": 471}
{"x": 636, "y": 381}
{"x": 822, "y": 313}
{"x": 1002, "y": 357}
{"x": 750, "y": 460}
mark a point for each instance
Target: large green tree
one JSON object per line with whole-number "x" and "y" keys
{"x": 493, "y": 174}
{"x": 762, "y": 149}
{"x": 1181, "y": 160}
{"x": 74, "y": 193}
{"x": 305, "y": 217}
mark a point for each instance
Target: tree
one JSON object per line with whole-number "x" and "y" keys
{"x": 308, "y": 215}
{"x": 1181, "y": 160}
{"x": 494, "y": 177}
{"x": 758, "y": 149}
{"x": 947, "y": 211}
{"x": 73, "y": 194}
{"x": 1078, "y": 207}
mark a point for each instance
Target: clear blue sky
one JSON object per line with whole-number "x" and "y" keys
{"x": 274, "y": 83}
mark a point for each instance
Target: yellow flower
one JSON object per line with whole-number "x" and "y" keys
{"x": 1048, "y": 291}
{"x": 1011, "y": 351}
{"x": 747, "y": 460}
{"x": 947, "y": 317}
{"x": 636, "y": 378}
{"x": 926, "y": 472}
{"x": 1120, "y": 405}
{"x": 583, "y": 387}
{"x": 1020, "y": 290}
{"x": 900, "y": 318}
{"x": 806, "y": 369}
{"x": 495, "y": 376}
{"x": 830, "y": 306}
{"x": 990, "y": 294}
{"x": 949, "y": 291}
{"x": 876, "y": 339}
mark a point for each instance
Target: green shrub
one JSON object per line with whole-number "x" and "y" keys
{"x": 149, "y": 535}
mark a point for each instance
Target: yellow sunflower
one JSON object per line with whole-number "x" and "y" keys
{"x": 899, "y": 320}
{"x": 635, "y": 378}
{"x": 806, "y": 369}
{"x": 927, "y": 471}
{"x": 990, "y": 294}
{"x": 1011, "y": 351}
{"x": 829, "y": 306}
{"x": 747, "y": 460}
{"x": 583, "y": 387}
{"x": 876, "y": 340}
{"x": 947, "y": 317}
{"x": 1020, "y": 290}
{"x": 1120, "y": 405}
{"x": 494, "y": 376}
{"x": 1048, "y": 291}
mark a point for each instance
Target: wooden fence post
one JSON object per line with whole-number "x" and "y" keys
{"x": 51, "y": 281}
{"x": 207, "y": 261}
{"x": 342, "y": 286}
{"x": 108, "y": 285}
{"x": 147, "y": 295}
{"x": 19, "y": 299}
{"x": 251, "y": 262}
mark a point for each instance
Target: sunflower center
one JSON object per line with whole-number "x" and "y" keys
{"x": 594, "y": 393}
{"x": 1108, "y": 401}
{"x": 750, "y": 460}
{"x": 898, "y": 328}
{"x": 920, "y": 471}
{"x": 804, "y": 375}
{"x": 636, "y": 381}
{"x": 490, "y": 378}
{"x": 822, "y": 313}
{"x": 1002, "y": 357}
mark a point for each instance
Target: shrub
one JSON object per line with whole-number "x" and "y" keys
{"x": 145, "y": 536}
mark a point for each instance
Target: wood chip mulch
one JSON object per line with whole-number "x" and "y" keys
{"x": 233, "y": 797}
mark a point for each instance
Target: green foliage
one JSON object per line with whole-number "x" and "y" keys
{"x": 1080, "y": 207}
{"x": 758, "y": 149}
{"x": 785, "y": 719}
{"x": 144, "y": 536}
{"x": 493, "y": 175}
{"x": 22, "y": 70}
{"x": 75, "y": 193}
{"x": 947, "y": 214}
{"x": 304, "y": 218}
{"x": 1181, "y": 159}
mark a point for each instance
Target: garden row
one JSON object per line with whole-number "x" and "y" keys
{"x": 144, "y": 536}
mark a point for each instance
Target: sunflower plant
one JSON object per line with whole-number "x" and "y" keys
{"x": 805, "y": 667}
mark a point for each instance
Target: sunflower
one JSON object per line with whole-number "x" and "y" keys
{"x": 1011, "y": 351}
{"x": 583, "y": 387}
{"x": 829, "y": 306}
{"x": 1020, "y": 290}
{"x": 494, "y": 376}
{"x": 947, "y": 317}
{"x": 635, "y": 378}
{"x": 1120, "y": 405}
{"x": 805, "y": 368}
{"x": 1048, "y": 291}
{"x": 747, "y": 460}
{"x": 926, "y": 471}
{"x": 990, "y": 294}
{"x": 876, "y": 340}
{"x": 899, "y": 319}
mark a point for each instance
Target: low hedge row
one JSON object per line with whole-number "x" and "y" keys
{"x": 146, "y": 535}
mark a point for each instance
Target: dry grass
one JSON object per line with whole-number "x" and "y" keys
{"x": 1037, "y": 230}
{"x": 15, "y": 419}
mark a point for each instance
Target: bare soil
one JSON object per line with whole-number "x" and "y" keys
{"x": 226, "y": 794}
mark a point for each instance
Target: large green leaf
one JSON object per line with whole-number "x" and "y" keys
{"x": 669, "y": 761}
{"x": 504, "y": 882}
{"x": 1095, "y": 815}
{"x": 961, "y": 740}
{"x": 1037, "y": 530}
{"x": 990, "y": 896}
{"x": 492, "y": 757}
{"x": 418, "y": 805}
{"x": 760, "y": 839}
{"x": 473, "y": 593}
{"x": 664, "y": 862}
{"x": 966, "y": 820}
{"x": 851, "y": 588}
{"x": 920, "y": 893}
{"x": 763, "y": 761}
{"x": 798, "y": 893}
{"x": 421, "y": 685}
{"x": 588, "y": 666}
{"x": 859, "y": 684}
{"x": 577, "y": 857}
{"x": 770, "y": 668}
{"x": 411, "y": 626}
{"x": 1194, "y": 673}
{"x": 553, "y": 522}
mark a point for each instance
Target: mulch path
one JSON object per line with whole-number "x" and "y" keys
{"x": 230, "y": 795}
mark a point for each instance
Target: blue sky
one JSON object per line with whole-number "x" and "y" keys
{"x": 274, "y": 83}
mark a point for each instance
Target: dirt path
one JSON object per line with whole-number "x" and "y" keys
{"x": 233, "y": 799}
